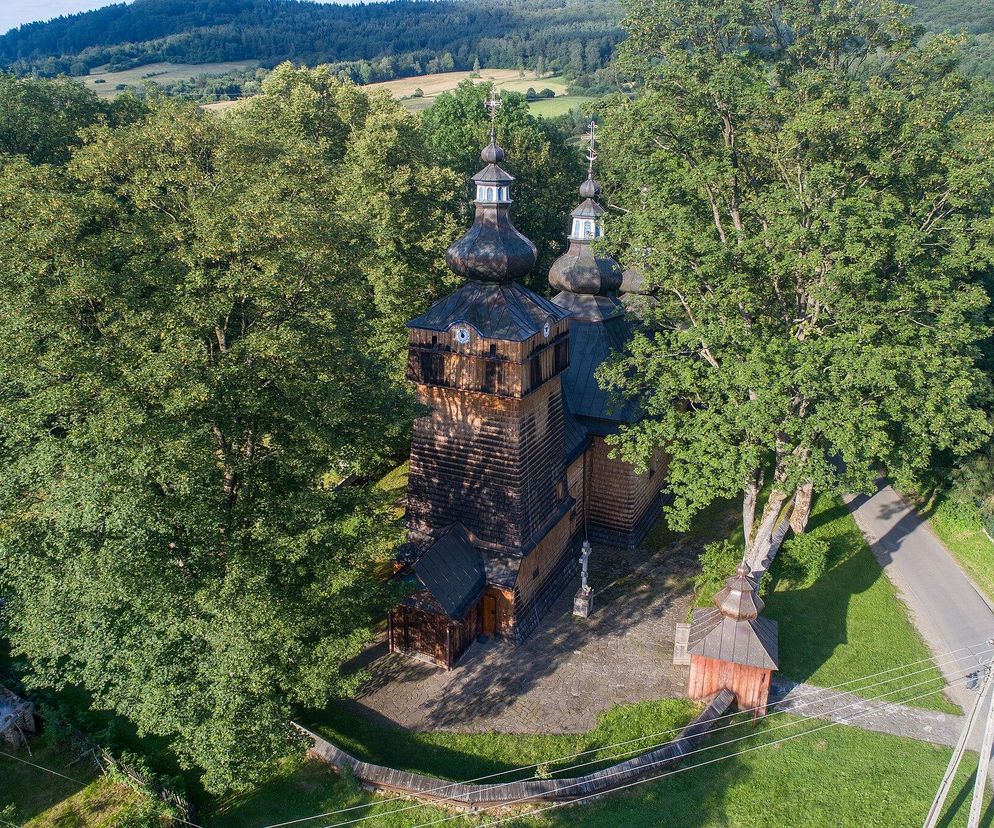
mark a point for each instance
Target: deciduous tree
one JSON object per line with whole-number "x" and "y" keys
{"x": 807, "y": 188}
{"x": 189, "y": 365}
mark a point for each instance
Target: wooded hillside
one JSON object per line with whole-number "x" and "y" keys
{"x": 405, "y": 37}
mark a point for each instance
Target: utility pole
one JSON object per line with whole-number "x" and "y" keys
{"x": 985, "y": 759}
{"x": 932, "y": 820}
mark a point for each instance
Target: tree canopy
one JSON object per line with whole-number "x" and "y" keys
{"x": 191, "y": 375}
{"x": 809, "y": 195}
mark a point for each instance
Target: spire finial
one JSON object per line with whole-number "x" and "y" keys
{"x": 493, "y": 104}
{"x": 591, "y": 151}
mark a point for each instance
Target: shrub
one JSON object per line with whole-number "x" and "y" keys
{"x": 418, "y": 93}
{"x": 803, "y": 559}
{"x": 718, "y": 564}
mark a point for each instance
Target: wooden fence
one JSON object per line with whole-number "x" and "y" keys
{"x": 85, "y": 748}
{"x": 470, "y": 796}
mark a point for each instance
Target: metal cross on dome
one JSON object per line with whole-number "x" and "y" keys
{"x": 493, "y": 104}
{"x": 591, "y": 152}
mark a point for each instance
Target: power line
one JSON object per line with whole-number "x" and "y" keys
{"x": 41, "y": 767}
{"x": 813, "y": 694}
{"x": 689, "y": 753}
{"x": 653, "y": 747}
{"x": 534, "y": 811}
{"x": 677, "y": 770}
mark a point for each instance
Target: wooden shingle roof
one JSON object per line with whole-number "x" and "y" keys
{"x": 496, "y": 310}
{"x": 591, "y": 343}
{"x": 453, "y": 572}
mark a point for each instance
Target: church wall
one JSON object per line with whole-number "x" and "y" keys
{"x": 751, "y": 685}
{"x": 495, "y": 464}
{"x": 575, "y": 478}
{"x": 541, "y": 562}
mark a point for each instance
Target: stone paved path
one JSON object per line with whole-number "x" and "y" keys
{"x": 569, "y": 671}
{"x": 867, "y": 714}
{"x": 946, "y": 607}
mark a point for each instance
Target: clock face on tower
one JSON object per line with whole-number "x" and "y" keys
{"x": 462, "y": 335}
{"x": 546, "y": 329}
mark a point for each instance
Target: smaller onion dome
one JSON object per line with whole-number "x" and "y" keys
{"x": 590, "y": 188}
{"x": 578, "y": 270}
{"x": 492, "y": 154}
{"x": 738, "y": 600}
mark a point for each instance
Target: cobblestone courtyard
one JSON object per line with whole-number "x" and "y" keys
{"x": 570, "y": 670}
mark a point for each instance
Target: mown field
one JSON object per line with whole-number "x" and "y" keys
{"x": 105, "y": 83}
{"x": 432, "y": 86}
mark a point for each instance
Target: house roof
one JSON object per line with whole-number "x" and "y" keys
{"x": 452, "y": 570}
{"x": 590, "y": 345}
{"x": 751, "y": 642}
{"x": 496, "y": 310}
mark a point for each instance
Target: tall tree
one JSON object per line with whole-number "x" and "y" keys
{"x": 548, "y": 170}
{"x": 188, "y": 366}
{"x": 806, "y": 188}
{"x": 42, "y": 119}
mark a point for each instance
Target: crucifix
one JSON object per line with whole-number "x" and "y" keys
{"x": 583, "y": 602}
{"x": 584, "y": 557}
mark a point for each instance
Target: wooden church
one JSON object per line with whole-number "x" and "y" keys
{"x": 509, "y": 469}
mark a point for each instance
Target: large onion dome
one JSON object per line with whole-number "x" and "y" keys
{"x": 492, "y": 250}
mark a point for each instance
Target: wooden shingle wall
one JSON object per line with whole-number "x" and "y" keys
{"x": 618, "y": 497}
{"x": 497, "y": 465}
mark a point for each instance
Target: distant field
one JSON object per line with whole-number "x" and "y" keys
{"x": 157, "y": 73}
{"x": 434, "y": 85}
{"x": 560, "y": 105}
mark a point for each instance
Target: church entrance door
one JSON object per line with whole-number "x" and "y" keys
{"x": 489, "y": 615}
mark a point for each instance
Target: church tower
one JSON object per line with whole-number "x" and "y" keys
{"x": 487, "y": 487}
{"x": 621, "y": 505}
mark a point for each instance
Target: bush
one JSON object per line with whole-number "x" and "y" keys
{"x": 718, "y": 564}
{"x": 546, "y": 93}
{"x": 418, "y": 93}
{"x": 803, "y": 559}
{"x": 99, "y": 80}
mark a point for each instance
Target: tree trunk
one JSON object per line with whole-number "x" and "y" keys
{"x": 749, "y": 498}
{"x": 760, "y": 548}
{"x": 802, "y": 508}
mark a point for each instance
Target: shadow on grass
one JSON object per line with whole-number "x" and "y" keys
{"x": 961, "y": 803}
{"x": 815, "y": 621}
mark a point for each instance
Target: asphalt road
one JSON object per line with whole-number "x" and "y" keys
{"x": 946, "y": 607}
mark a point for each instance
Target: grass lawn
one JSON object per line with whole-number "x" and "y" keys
{"x": 964, "y": 537}
{"x": 838, "y": 776}
{"x": 34, "y": 798}
{"x": 465, "y": 755}
{"x": 850, "y": 623}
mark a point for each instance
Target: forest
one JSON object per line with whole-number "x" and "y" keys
{"x": 375, "y": 41}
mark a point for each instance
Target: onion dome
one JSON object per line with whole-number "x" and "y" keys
{"x": 738, "y": 600}
{"x": 492, "y": 250}
{"x": 578, "y": 271}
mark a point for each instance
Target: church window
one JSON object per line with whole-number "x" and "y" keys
{"x": 490, "y": 193}
{"x": 588, "y": 229}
